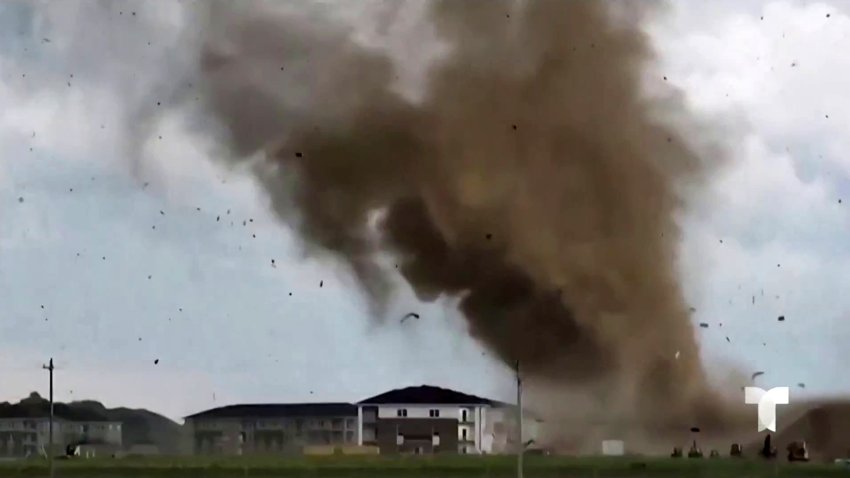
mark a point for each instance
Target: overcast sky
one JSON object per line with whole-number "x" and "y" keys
{"x": 115, "y": 254}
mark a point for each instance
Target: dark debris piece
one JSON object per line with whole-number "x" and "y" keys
{"x": 156, "y": 361}
{"x": 727, "y": 339}
{"x": 410, "y": 315}
{"x": 781, "y": 318}
{"x": 321, "y": 283}
{"x": 703, "y": 325}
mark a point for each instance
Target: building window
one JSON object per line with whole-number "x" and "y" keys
{"x": 434, "y": 413}
{"x": 401, "y": 412}
{"x": 463, "y": 434}
{"x": 463, "y": 415}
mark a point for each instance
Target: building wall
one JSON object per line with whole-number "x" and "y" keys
{"x": 18, "y": 437}
{"x": 470, "y": 422}
{"x": 424, "y": 411}
{"x": 106, "y": 432}
{"x": 417, "y": 433}
{"x": 29, "y": 436}
{"x": 273, "y": 435}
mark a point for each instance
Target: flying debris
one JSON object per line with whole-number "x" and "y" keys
{"x": 409, "y": 315}
{"x": 757, "y": 374}
{"x": 156, "y": 361}
{"x": 781, "y": 318}
{"x": 801, "y": 385}
{"x": 321, "y": 283}
{"x": 703, "y": 325}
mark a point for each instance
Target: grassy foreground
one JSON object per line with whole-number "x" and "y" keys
{"x": 431, "y": 467}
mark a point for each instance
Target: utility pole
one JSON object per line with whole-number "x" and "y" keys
{"x": 49, "y": 368}
{"x": 520, "y": 443}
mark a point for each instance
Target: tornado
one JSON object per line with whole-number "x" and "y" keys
{"x": 533, "y": 179}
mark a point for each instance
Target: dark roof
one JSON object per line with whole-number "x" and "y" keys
{"x": 425, "y": 394}
{"x": 262, "y": 410}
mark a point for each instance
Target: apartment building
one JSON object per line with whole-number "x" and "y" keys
{"x": 22, "y": 436}
{"x": 427, "y": 419}
{"x": 272, "y": 428}
{"x": 414, "y": 420}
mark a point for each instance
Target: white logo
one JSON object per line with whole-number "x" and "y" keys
{"x": 767, "y": 402}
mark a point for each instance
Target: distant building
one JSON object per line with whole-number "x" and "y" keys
{"x": 413, "y": 420}
{"x": 428, "y": 419}
{"x": 272, "y": 428}
{"x": 28, "y": 435}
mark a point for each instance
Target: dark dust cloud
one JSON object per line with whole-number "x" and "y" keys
{"x": 533, "y": 181}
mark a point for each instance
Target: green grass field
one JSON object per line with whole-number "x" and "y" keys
{"x": 432, "y": 467}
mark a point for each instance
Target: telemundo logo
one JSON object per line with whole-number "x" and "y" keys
{"x": 767, "y": 400}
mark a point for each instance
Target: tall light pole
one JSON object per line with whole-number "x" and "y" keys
{"x": 49, "y": 368}
{"x": 520, "y": 443}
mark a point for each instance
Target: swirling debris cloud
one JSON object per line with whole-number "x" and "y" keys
{"x": 533, "y": 180}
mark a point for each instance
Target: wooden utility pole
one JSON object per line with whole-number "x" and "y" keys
{"x": 520, "y": 443}
{"x": 49, "y": 368}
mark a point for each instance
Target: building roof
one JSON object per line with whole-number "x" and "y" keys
{"x": 427, "y": 394}
{"x": 267, "y": 410}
